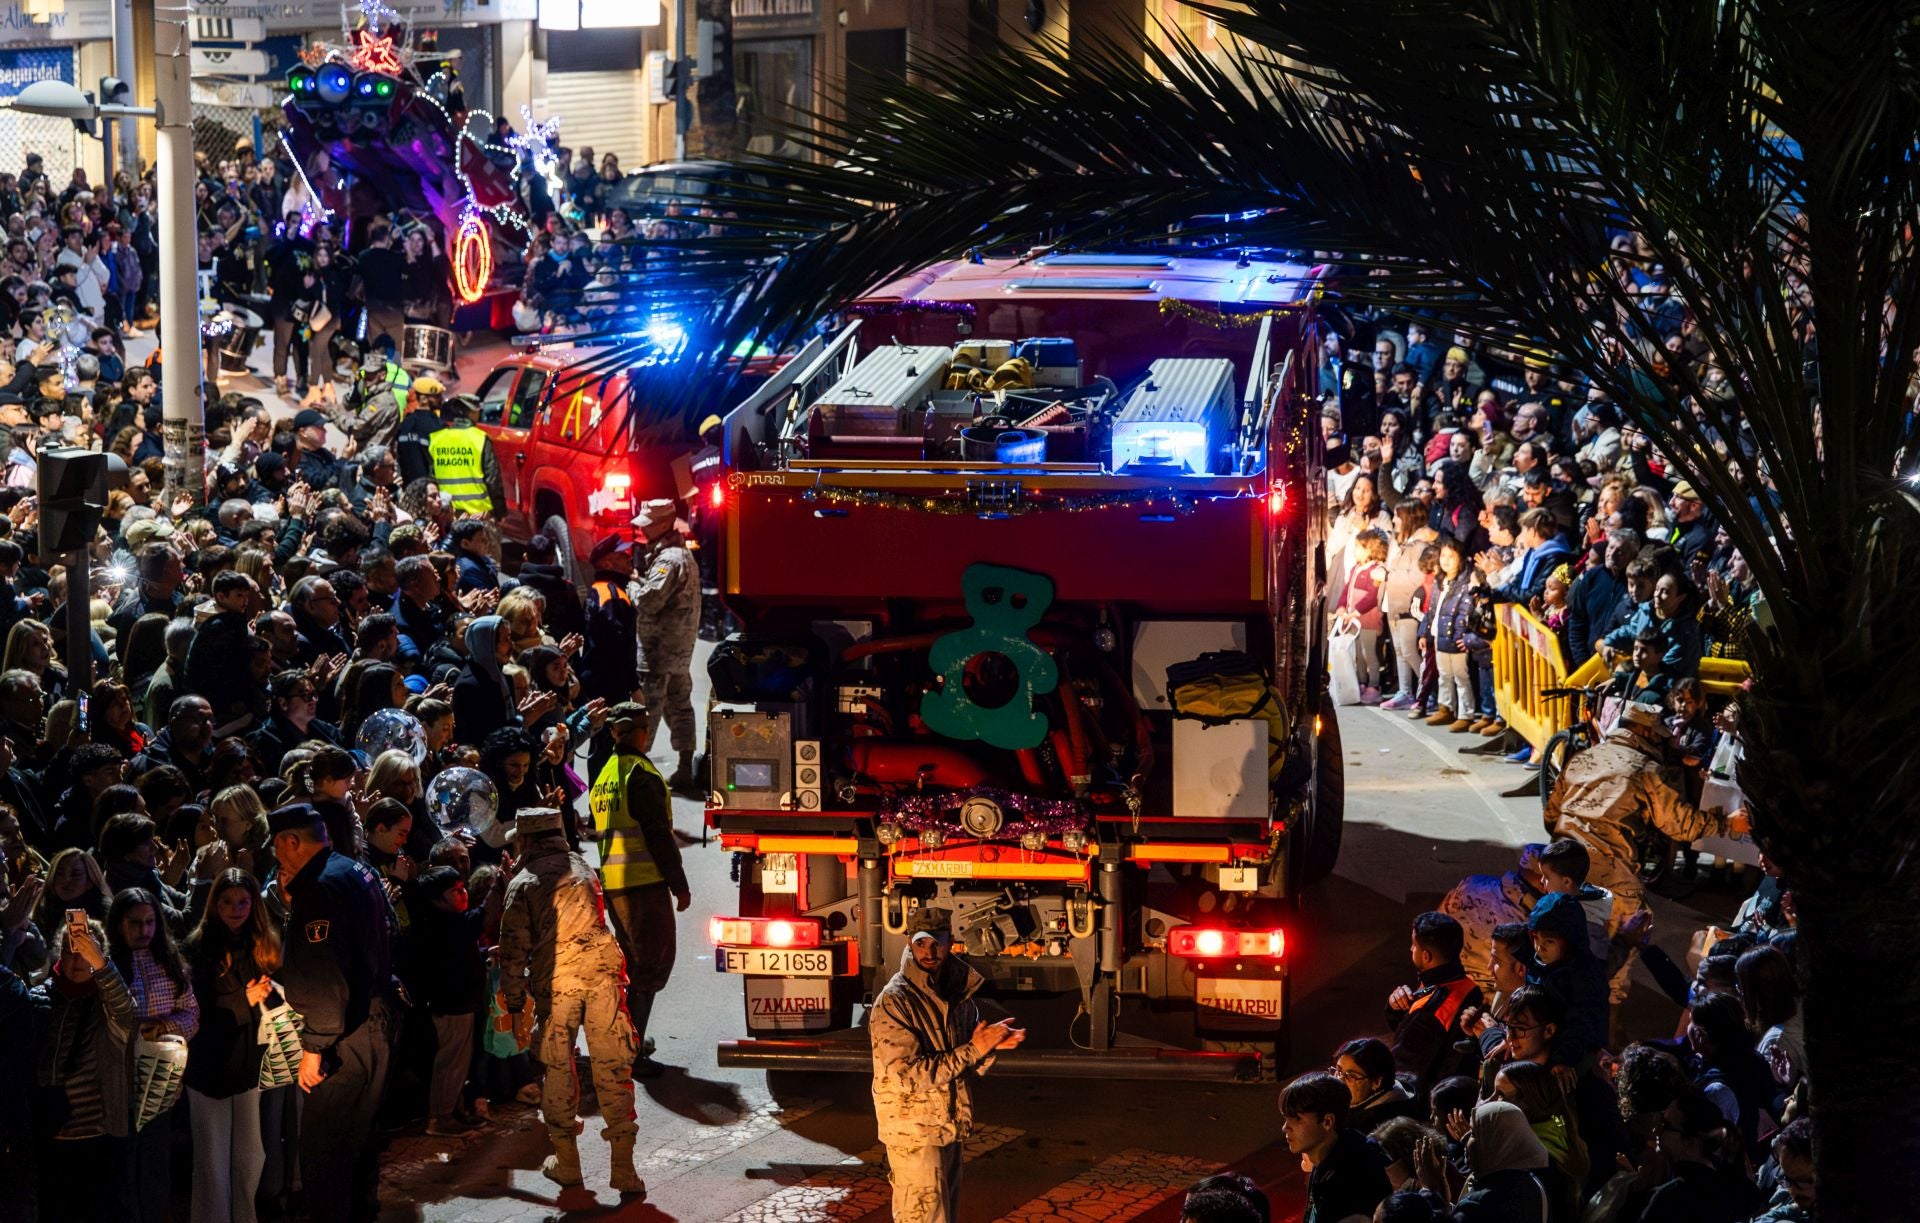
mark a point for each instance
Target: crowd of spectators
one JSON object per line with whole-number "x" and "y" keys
{"x": 1492, "y": 1091}
{"x": 1458, "y": 489}
{"x": 238, "y": 647}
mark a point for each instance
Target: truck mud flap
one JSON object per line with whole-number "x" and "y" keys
{"x": 855, "y": 1057}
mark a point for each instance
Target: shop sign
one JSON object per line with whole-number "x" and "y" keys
{"x": 750, "y": 14}
{"x": 19, "y": 69}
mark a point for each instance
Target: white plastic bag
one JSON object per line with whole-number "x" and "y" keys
{"x": 1343, "y": 658}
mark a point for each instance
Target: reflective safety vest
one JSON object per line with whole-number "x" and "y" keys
{"x": 624, "y": 860}
{"x": 457, "y": 468}
{"x": 401, "y": 382}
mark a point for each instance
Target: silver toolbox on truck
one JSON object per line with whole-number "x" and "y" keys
{"x": 887, "y": 382}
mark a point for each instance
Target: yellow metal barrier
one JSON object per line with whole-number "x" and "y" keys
{"x": 1527, "y": 660}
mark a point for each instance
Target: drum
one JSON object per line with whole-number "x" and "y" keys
{"x": 241, "y": 340}
{"x": 428, "y": 348}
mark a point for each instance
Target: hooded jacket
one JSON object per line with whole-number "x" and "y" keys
{"x": 482, "y": 698}
{"x": 1580, "y": 980}
{"x": 923, "y": 1053}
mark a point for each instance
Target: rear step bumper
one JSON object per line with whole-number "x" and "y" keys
{"x": 855, "y": 1057}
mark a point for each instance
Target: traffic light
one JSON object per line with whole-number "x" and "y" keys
{"x": 89, "y": 126}
{"x": 115, "y": 92}
{"x": 714, "y": 60}
{"x": 73, "y": 498}
{"x": 672, "y": 83}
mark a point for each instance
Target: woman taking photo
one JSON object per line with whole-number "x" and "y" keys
{"x": 231, "y": 958}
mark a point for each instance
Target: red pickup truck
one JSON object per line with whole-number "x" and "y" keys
{"x": 573, "y": 465}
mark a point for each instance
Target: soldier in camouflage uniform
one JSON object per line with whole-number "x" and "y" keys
{"x": 1607, "y": 795}
{"x": 666, "y": 599}
{"x": 928, "y": 1043}
{"x": 556, "y": 945}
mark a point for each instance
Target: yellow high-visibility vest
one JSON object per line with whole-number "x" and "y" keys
{"x": 624, "y": 859}
{"x": 457, "y": 468}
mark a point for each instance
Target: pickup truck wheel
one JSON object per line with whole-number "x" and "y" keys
{"x": 1318, "y": 847}
{"x": 556, "y": 529}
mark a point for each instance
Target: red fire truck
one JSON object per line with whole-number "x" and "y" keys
{"x": 1028, "y": 558}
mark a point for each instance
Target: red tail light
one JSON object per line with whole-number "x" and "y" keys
{"x": 764, "y": 931}
{"x": 717, "y": 496}
{"x": 1209, "y": 943}
{"x": 1277, "y": 501}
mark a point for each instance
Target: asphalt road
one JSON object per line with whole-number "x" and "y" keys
{"x": 734, "y": 1145}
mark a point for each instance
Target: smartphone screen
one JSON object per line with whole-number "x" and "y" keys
{"x": 82, "y": 722}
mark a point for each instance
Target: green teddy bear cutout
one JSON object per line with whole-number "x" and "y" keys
{"x": 1004, "y": 603}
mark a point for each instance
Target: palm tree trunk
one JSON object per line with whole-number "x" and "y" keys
{"x": 1859, "y": 956}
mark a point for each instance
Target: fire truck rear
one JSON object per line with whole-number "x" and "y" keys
{"x": 1027, "y": 558}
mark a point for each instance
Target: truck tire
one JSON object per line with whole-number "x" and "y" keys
{"x": 556, "y": 529}
{"x": 1318, "y": 847}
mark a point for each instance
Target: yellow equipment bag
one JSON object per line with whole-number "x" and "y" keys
{"x": 1228, "y": 686}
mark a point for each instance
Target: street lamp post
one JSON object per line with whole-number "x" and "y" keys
{"x": 184, "y": 422}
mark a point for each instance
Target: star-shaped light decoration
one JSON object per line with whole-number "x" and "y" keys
{"x": 375, "y": 53}
{"x": 378, "y": 15}
{"x": 536, "y": 146}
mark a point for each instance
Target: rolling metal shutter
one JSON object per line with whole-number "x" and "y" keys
{"x": 604, "y": 111}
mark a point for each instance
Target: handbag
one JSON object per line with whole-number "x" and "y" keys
{"x": 506, "y": 1034}
{"x": 159, "y": 1075}
{"x": 1343, "y": 663}
{"x": 280, "y": 1049}
{"x": 320, "y": 319}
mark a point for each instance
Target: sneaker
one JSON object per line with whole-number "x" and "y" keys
{"x": 1398, "y": 700}
{"x": 1460, "y": 726}
{"x": 1441, "y": 717}
{"x": 1521, "y": 756}
{"x": 1369, "y": 696}
{"x": 1419, "y": 712}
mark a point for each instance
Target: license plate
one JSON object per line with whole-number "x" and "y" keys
{"x": 789, "y": 1004}
{"x": 1231, "y": 1002}
{"x": 770, "y": 962}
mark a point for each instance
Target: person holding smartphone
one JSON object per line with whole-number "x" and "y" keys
{"x": 87, "y": 1064}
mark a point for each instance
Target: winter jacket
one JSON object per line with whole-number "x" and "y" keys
{"x": 1427, "y": 1031}
{"x": 1362, "y": 595}
{"x": 1512, "y": 1196}
{"x": 315, "y": 640}
{"x": 1591, "y": 607}
{"x": 273, "y": 741}
{"x": 1607, "y": 795}
{"x": 1401, "y": 594}
{"x": 1679, "y": 649}
{"x": 23, "y": 1025}
{"x": 554, "y": 934}
{"x": 87, "y": 1055}
{"x": 1351, "y": 1180}
{"x": 609, "y": 666}
{"x": 1531, "y": 580}
{"x": 1382, "y": 1106}
{"x": 161, "y": 751}
{"x": 1445, "y": 624}
{"x": 482, "y": 702}
{"x": 216, "y": 667}
{"x": 923, "y": 1053}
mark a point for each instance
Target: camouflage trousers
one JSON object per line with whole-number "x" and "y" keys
{"x": 926, "y": 1183}
{"x": 666, "y": 682}
{"x": 601, "y": 1009}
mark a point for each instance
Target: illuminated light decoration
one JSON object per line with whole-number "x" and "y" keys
{"x": 334, "y": 84}
{"x": 931, "y": 814}
{"x": 375, "y": 53}
{"x": 535, "y": 148}
{"x": 313, "y": 210}
{"x": 472, "y": 258}
{"x": 315, "y": 54}
{"x": 378, "y": 16}
{"x": 1029, "y": 502}
{"x": 1219, "y": 319}
{"x": 301, "y": 81}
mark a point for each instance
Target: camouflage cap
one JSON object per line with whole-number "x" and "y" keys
{"x": 535, "y": 820}
{"x": 627, "y": 711}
